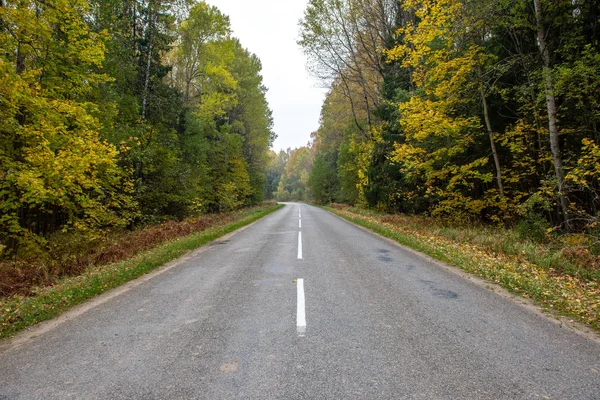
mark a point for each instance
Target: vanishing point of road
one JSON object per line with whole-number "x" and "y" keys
{"x": 303, "y": 305}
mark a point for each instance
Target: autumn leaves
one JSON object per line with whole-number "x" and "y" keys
{"x": 119, "y": 113}
{"x": 443, "y": 107}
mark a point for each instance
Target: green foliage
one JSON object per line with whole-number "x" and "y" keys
{"x": 228, "y": 121}
{"x": 455, "y": 122}
{"x": 119, "y": 113}
{"x": 57, "y": 171}
{"x": 323, "y": 181}
{"x": 533, "y": 227}
{"x": 275, "y": 171}
{"x": 294, "y": 181}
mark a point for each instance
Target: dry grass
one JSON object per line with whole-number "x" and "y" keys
{"x": 570, "y": 255}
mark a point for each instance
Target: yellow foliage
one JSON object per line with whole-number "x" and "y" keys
{"x": 587, "y": 171}
{"x": 56, "y": 169}
{"x": 435, "y": 149}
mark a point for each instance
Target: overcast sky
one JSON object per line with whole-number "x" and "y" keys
{"x": 269, "y": 29}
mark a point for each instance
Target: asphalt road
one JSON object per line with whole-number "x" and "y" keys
{"x": 380, "y": 322}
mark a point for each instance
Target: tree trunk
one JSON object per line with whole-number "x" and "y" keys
{"x": 488, "y": 124}
{"x": 348, "y": 94}
{"x": 134, "y": 26}
{"x": 350, "y": 45}
{"x": 552, "y": 110}
{"x": 407, "y": 18}
{"x": 148, "y": 65}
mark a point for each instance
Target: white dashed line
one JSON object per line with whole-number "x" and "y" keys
{"x": 300, "y": 310}
{"x": 299, "y": 245}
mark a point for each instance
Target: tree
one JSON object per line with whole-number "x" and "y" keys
{"x": 552, "y": 108}
{"x": 476, "y": 109}
{"x": 343, "y": 40}
{"x": 323, "y": 180}
{"x": 57, "y": 172}
{"x": 252, "y": 119}
{"x": 293, "y": 183}
{"x": 204, "y": 26}
{"x": 228, "y": 120}
{"x": 275, "y": 171}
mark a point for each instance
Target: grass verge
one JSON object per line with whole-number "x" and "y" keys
{"x": 526, "y": 269}
{"x": 19, "y": 312}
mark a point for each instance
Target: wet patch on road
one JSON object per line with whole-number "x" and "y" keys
{"x": 439, "y": 292}
{"x": 383, "y": 255}
{"x": 445, "y": 293}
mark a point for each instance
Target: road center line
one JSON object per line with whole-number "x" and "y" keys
{"x": 299, "y": 223}
{"x": 299, "y": 245}
{"x": 300, "y": 310}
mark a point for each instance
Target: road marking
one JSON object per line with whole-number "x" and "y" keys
{"x": 299, "y": 223}
{"x": 300, "y": 310}
{"x": 299, "y": 245}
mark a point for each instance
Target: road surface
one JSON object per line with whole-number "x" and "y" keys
{"x": 304, "y": 305}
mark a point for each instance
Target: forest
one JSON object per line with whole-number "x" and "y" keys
{"x": 119, "y": 114}
{"x": 461, "y": 110}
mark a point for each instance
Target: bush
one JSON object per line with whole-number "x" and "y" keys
{"x": 533, "y": 227}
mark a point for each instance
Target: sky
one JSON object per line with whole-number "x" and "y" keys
{"x": 269, "y": 29}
